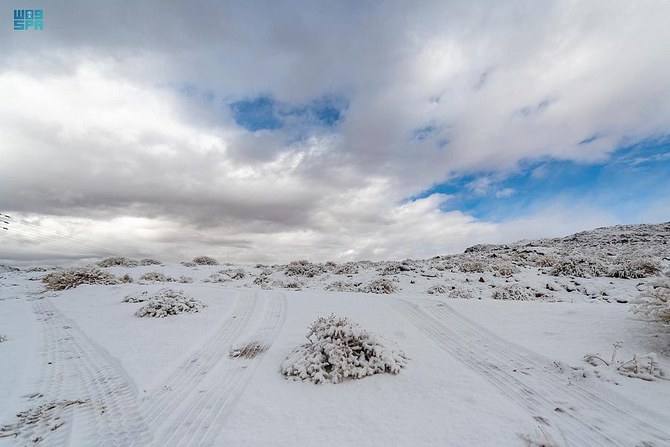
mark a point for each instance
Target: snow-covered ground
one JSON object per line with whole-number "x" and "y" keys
{"x": 495, "y": 340}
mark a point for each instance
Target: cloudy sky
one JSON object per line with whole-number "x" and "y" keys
{"x": 339, "y": 130}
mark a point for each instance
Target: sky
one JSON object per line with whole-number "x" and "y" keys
{"x": 272, "y": 131}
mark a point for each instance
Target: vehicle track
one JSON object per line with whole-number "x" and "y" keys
{"x": 200, "y": 418}
{"x": 582, "y": 416}
{"x": 162, "y": 402}
{"x": 81, "y": 379}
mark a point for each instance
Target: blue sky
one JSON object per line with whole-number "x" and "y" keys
{"x": 625, "y": 185}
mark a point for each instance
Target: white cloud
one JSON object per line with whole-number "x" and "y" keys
{"x": 92, "y": 130}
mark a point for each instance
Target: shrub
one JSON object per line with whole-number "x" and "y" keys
{"x": 205, "y": 260}
{"x": 184, "y": 279}
{"x": 645, "y": 367}
{"x": 126, "y": 279}
{"x": 348, "y": 268}
{"x": 654, "y": 302}
{"x": 150, "y": 261}
{"x": 3, "y": 338}
{"x": 506, "y": 269}
{"x": 474, "y": 266}
{"x": 117, "y": 261}
{"x": 635, "y": 268}
{"x": 73, "y": 277}
{"x": 169, "y": 302}
{"x": 304, "y": 268}
{"x": 339, "y": 349}
{"x": 188, "y": 264}
{"x": 156, "y": 277}
{"x": 381, "y": 285}
{"x": 343, "y": 286}
{"x": 217, "y": 278}
{"x": 457, "y": 292}
{"x": 235, "y": 273}
{"x": 581, "y": 267}
{"x": 142, "y": 297}
{"x": 514, "y": 292}
{"x": 437, "y": 289}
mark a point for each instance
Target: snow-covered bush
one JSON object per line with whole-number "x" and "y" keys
{"x": 581, "y": 267}
{"x": 156, "y": 277}
{"x": 339, "y": 349}
{"x": 514, "y": 292}
{"x": 73, "y": 277}
{"x": 304, "y": 268}
{"x": 343, "y": 286}
{"x": 142, "y": 297}
{"x": 348, "y": 268}
{"x": 205, "y": 260}
{"x": 150, "y": 261}
{"x": 184, "y": 279}
{"x": 381, "y": 285}
{"x": 217, "y": 278}
{"x": 635, "y": 268}
{"x": 654, "y": 302}
{"x": 473, "y": 266}
{"x": 189, "y": 264}
{"x": 126, "y": 279}
{"x": 393, "y": 267}
{"x": 235, "y": 273}
{"x": 117, "y": 261}
{"x": 437, "y": 289}
{"x": 506, "y": 269}
{"x": 169, "y": 302}
{"x": 460, "y": 293}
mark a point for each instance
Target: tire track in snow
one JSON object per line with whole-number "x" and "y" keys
{"x": 77, "y": 369}
{"x": 612, "y": 415}
{"x": 201, "y": 417}
{"x": 161, "y": 403}
{"x": 541, "y": 395}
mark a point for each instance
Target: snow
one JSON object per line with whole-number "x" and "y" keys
{"x": 85, "y": 370}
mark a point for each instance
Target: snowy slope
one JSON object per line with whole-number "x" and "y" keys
{"x": 495, "y": 339}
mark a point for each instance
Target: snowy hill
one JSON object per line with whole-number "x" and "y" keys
{"x": 500, "y": 345}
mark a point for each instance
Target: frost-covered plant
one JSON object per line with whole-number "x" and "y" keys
{"x": 184, "y": 279}
{"x": 3, "y": 338}
{"x": 169, "y": 302}
{"x": 304, "y": 268}
{"x": 458, "y": 292}
{"x": 235, "y": 273}
{"x": 348, "y": 268}
{"x": 339, "y": 349}
{"x": 343, "y": 286}
{"x": 205, "y": 260}
{"x": 654, "y": 302}
{"x": 188, "y": 264}
{"x": 473, "y": 266}
{"x": 514, "y": 292}
{"x": 142, "y": 297}
{"x": 635, "y": 268}
{"x": 581, "y": 267}
{"x": 437, "y": 289}
{"x": 643, "y": 367}
{"x": 126, "y": 279}
{"x": 73, "y": 277}
{"x": 394, "y": 267}
{"x": 156, "y": 277}
{"x": 381, "y": 286}
{"x": 217, "y": 278}
{"x": 262, "y": 280}
{"x": 506, "y": 269}
{"x": 150, "y": 261}
{"x": 117, "y": 261}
